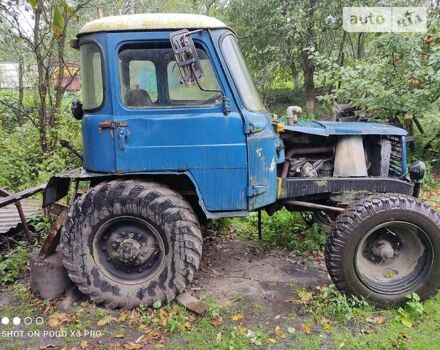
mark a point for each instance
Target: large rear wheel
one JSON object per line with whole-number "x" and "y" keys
{"x": 131, "y": 242}
{"x": 384, "y": 248}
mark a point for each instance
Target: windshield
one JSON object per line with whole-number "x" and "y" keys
{"x": 92, "y": 90}
{"x": 243, "y": 81}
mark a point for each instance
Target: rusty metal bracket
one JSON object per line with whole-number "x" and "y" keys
{"x": 53, "y": 237}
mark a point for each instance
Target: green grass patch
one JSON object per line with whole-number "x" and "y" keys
{"x": 284, "y": 228}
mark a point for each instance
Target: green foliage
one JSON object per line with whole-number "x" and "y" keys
{"x": 23, "y": 164}
{"x": 213, "y": 309}
{"x": 39, "y": 224}
{"x": 412, "y": 311}
{"x": 284, "y": 228}
{"x": 13, "y": 264}
{"x": 332, "y": 303}
{"x": 399, "y": 76}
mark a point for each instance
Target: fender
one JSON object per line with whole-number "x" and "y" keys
{"x": 58, "y": 187}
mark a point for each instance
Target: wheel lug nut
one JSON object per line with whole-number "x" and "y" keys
{"x": 105, "y": 237}
{"x": 104, "y": 249}
{"x": 140, "y": 270}
{"x": 108, "y": 259}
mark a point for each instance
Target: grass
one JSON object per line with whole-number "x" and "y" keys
{"x": 282, "y": 229}
{"x": 325, "y": 318}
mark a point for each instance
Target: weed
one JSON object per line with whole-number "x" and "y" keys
{"x": 330, "y": 302}
{"x": 213, "y": 309}
{"x": 13, "y": 263}
{"x": 256, "y": 337}
{"x": 143, "y": 312}
{"x": 412, "y": 311}
{"x": 40, "y": 224}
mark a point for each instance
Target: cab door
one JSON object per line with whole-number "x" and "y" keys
{"x": 163, "y": 126}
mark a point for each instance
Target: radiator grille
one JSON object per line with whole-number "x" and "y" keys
{"x": 396, "y": 156}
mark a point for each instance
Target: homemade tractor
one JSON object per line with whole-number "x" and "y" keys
{"x": 174, "y": 133}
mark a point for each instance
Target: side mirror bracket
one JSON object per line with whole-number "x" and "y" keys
{"x": 186, "y": 56}
{"x": 189, "y": 65}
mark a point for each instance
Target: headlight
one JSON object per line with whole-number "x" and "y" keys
{"x": 417, "y": 170}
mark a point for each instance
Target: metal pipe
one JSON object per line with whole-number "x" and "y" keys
{"x": 303, "y": 151}
{"x": 314, "y": 206}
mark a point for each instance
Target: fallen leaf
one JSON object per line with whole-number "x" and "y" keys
{"x": 291, "y": 330}
{"x": 216, "y": 322}
{"x": 326, "y": 323}
{"x": 280, "y": 333}
{"x": 376, "y": 320}
{"x": 237, "y": 317}
{"x": 84, "y": 345}
{"x": 306, "y": 328}
{"x": 132, "y": 346}
{"x": 57, "y": 319}
{"x": 119, "y": 335}
{"x": 243, "y": 330}
{"x": 219, "y": 336}
{"x": 406, "y": 322}
{"x": 273, "y": 341}
{"x": 105, "y": 320}
{"x": 163, "y": 316}
{"x": 134, "y": 316}
{"x": 186, "y": 326}
{"x": 123, "y": 315}
{"x": 305, "y": 296}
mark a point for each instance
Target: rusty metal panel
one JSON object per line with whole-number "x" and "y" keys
{"x": 9, "y": 217}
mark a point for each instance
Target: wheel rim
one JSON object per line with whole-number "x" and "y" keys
{"x": 394, "y": 257}
{"x": 128, "y": 249}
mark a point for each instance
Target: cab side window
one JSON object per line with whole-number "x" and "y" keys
{"x": 149, "y": 77}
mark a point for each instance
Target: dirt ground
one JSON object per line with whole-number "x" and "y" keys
{"x": 237, "y": 269}
{"x": 241, "y": 276}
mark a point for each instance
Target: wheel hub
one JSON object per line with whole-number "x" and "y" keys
{"x": 383, "y": 249}
{"x": 128, "y": 248}
{"x": 391, "y": 257}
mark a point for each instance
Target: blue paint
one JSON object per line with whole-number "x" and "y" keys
{"x": 327, "y": 128}
{"x": 231, "y": 159}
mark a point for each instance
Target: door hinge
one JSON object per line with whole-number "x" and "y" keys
{"x": 107, "y": 124}
{"x": 255, "y": 190}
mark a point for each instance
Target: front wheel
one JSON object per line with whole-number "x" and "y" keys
{"x": 131, "y": 242}
{"x": 384, "y": 248}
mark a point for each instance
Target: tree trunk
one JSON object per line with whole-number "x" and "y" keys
{"x": 42, "y": 87}
{"x": 308, "y": 68}
{"x": 295, "y": 74}
{"x": 361, "y": 46}
{"x": 19, "y": 110}
{"x": 309, "y": 83}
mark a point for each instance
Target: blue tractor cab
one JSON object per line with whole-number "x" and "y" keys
{"x": 174, "y": 133}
